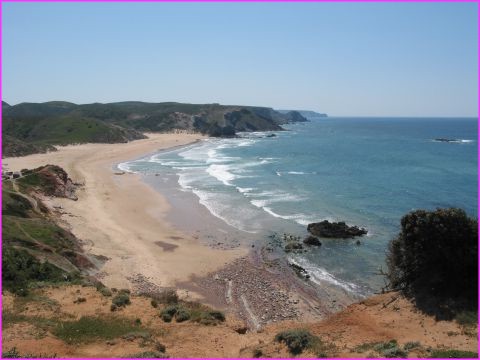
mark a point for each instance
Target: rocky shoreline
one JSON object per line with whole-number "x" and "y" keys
{"x": 263, "y": 288}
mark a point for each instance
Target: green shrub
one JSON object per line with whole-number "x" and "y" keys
{"x": 160, "y": 347}
{"x": 154, "y": 303}
{"x": 166, "y": 317}
{"x": 171, "y": 310}
{"x": 121, "y": 299}
{"x": 411, "y": 345}
{"x": 453, "y": 354}
{"x": 296, "y": 340}
{"x": 257, "y": 353}
{"x": 467, "y": 318}
{"x": 436, "y": 253}
{"x": 394, "y": 353}
{"x": 217, "y": 315}
{"x": 182, "y": 315}
{"x": 19, "y": 269}
{"x": 380, "y": 347}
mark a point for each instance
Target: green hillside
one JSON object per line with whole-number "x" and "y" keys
{"x": 35, "y": 127}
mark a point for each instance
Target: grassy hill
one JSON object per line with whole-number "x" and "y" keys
{"x": 35, "y": 127}
{"x": 35, "y": 249}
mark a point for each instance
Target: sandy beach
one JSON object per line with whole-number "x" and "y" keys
{"x": 121, "y": 218}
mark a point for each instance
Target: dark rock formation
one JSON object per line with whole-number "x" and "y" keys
{"x": 338, "y": 230}
{"x": 312, "y": 240}
{"x": 50, "y": 180}
{"x": 293, "y": 246}
{"x": 300, "y": 271}
{"x": 446, "y": 140}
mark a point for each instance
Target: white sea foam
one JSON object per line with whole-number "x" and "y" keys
{"x": 218, "y": 209}
{"x": 221, "y": 173}
{"x": 319, "y": 276}
{"x": 125, "y": 166}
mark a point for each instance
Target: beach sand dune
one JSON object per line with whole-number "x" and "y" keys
{"x": 123, "y": 219}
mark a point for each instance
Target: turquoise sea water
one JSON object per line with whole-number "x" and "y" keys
{"x": 364, "y": 171}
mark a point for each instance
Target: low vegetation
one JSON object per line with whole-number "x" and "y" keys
{"x": 299, "y": 340}
{"x": 14, "y": 354}
{"x": 88, "y": 329}
{"x": 453, "y": 354}
{"x": 192, "y": 311}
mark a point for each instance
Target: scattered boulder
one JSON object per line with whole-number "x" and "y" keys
{"x": 293, "y": 246}
{"x": 338, "y": 230}
{"x": 312, "y": 240}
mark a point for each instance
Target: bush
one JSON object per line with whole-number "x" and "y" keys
{"x": 217, "y": 315}
{"x": 453, "y": 354}
{"x": 411, "y": 345}
{"x": 182, "y": 315}
{"x": 394, "y": 353}
{"x": 160, "y": 347}
{"x": 166, "y": 317}
{"x": 154, "y": 303}
{"x": 167, "y": 313}
{"x": 121, "y": 299}
{"x": 19, "y": 269}
{"x": 296, "y": 340}
{"x": 257, "y": 353}
{"x": 435, "y": 254}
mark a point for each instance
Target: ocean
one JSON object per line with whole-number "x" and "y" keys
{"x": 367, "y": 172}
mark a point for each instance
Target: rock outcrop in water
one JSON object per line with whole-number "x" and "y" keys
{"x": 338, "y": 230}
{"x": 446, "y": 140}
{"x": 312, "y": 240}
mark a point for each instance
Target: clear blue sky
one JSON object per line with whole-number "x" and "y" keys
{"x": 379, "y": 59}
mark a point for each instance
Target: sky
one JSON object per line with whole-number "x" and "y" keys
{"x": 345, "y": 59}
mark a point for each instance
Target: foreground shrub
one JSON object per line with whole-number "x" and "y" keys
{"x": 121, "y": 299}
{"x": 182, "y": 315}
{"x": 19, "y": 269}
{"x": 435, "y": 254}
{"x": 296, "y": 340}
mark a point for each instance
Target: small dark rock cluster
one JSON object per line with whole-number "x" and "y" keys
{"x": 338, "y": 230}
{"x": 312, "y": 240}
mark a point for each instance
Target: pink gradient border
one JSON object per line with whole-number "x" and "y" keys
{"x": 226, "y": 1}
